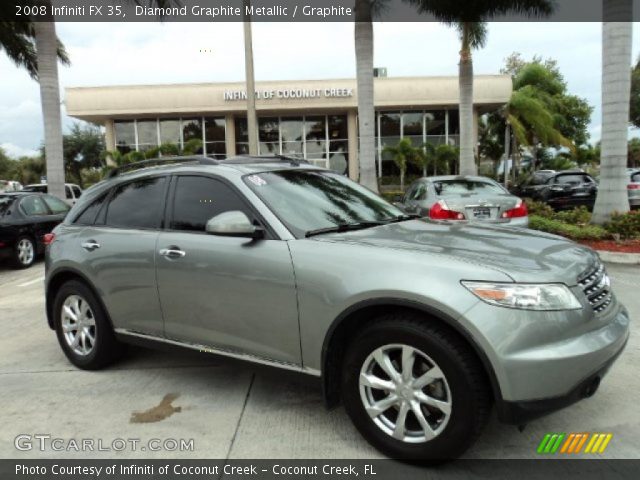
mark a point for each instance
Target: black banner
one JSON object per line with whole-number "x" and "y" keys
{"x": 298, "y": 11}
{"x": 543, "y": 469}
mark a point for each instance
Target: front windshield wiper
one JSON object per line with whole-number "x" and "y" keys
{"x": 403, "y": 218}
{"x": 344, "y": 227}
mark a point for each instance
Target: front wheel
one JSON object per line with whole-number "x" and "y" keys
{"x": 83, "y": 329}
{"x": 415, "y": 390}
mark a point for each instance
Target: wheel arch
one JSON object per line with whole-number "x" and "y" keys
{"x": 346, "y": 325}
{"x": 59, "y": 278}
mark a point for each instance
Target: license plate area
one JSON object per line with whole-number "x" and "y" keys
{"x": 481, "y": 213}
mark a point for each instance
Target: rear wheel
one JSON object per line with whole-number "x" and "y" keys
{"x": 414, "y": 390}
{"x": 24, "y": 253}
{"x": 82, "y": 327}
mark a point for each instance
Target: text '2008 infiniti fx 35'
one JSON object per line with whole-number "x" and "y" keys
{"x": 417, "y": 326}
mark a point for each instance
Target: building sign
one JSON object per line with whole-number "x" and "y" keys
{"x": 290, "y": 93}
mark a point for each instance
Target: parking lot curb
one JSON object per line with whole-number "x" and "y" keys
{"x": 619, "y": 257}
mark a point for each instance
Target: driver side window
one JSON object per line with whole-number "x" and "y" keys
{"x": 198, "y": 199}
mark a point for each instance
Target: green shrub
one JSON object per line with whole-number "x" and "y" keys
{"x": 627, "y": 225}
{"x": 577, "y": 216}
{"x": 392, "y": 195}
{"x": 574, "y": 232}
{"x": 540, "y": 209}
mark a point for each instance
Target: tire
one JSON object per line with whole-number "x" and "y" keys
{"x": 99, "y": 346}
{"x": 24, "y": 252}
{"x": 463, "y": 386}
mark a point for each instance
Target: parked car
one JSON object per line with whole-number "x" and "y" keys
{"x": 418, "y": 326}
{"x": 10, "y": 186}
{"x": 72, "y": 191}
{"x": 465, "y": 198}
{"x": 633, "y": 188}
{"x": 560, "y": 190}
{"x": 25, "y": 219}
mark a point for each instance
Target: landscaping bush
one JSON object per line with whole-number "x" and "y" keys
{"x": 392, "y": 195}
{"x": 576, "y": 216}
{"x": 627, "y": 225}
{"x": 574, "y": 232}
{"x": 539, "y": 209}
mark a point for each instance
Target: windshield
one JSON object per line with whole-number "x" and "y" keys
{"x": 460, "y": 187}
{"x": 308, "y": 200}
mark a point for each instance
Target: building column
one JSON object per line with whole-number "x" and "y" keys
{"x": 109, "y": 140}
{"x": 230, "y": 134}
{"x": 352, "y": 132}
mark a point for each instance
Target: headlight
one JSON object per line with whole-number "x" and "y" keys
{"x": 525, "y": 296}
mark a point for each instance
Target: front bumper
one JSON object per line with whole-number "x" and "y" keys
{"x": 543, "y": 361}
{"x": 519, "y": 413}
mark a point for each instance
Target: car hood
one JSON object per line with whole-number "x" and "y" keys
{"x": 524, "y": 255}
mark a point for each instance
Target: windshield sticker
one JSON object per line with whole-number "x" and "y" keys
{"x": 257, "y": 181}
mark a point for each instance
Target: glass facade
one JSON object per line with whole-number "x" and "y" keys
{"x": 321, "y": 139}
{"x": 148, "y": 133}
{"x": 422, "y": 126}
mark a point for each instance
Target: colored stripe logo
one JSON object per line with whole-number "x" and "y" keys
{"x": 574, "y": 443}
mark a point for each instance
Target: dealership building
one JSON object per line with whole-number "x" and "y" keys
{"x": 312, "y": 119}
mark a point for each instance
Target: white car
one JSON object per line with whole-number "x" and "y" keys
{"x": 72, "y": 191}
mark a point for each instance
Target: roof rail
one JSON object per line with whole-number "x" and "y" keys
{"x": 248, "y": 159}
{"x": 202, "y": 160}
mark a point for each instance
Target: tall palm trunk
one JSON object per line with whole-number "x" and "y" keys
{"x": 616, "y": 87}
{"x": 252, "y": 118}
{"x": 465, "y": 80}
{"x": 47, "y": 47}
{"x": 363, "y": 33}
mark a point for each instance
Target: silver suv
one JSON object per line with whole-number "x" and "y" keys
{"x": 417, "y": 326}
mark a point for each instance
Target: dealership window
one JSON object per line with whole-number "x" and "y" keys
{"x": 170, "y": 131}
{"x": 242, "y": 136}
{"x": 269, "y": 135}
{"x": 125, "y": 136}
{"x": 192, "y": 134}
{"x": 435, "y": 127}
{"x": 147, "y": 134}
{"x": 292, "y": 132}
{"x": 215, "y": 137}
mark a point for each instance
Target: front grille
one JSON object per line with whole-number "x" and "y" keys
{"x": 596, "y": 286}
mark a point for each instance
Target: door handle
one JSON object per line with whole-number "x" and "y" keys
{"x": 90, "y": 246}
{"x": 173, "y": 252}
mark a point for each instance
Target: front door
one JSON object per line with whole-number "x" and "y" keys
{"x": 229, "y": 293}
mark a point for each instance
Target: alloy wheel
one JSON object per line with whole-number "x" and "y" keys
{"x": 25, "y": 251}
{"x": 78, "y": 325}
{"x": 405, "y": 393}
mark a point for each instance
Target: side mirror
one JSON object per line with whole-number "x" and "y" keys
{"x": 438, "y": 187}
{"x": 233, "y": 224}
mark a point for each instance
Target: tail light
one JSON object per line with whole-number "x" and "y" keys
{"x": 49, "y": 238}
{"x": 633, "y": 186}
{"x": 520, "y": 210}
{"x": 439, "y": 211}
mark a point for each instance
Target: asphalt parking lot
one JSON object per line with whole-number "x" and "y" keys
{"x": 235, "y": 410}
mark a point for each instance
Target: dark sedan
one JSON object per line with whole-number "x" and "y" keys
{"x": 25, "y": 219}
{"x": 561, "y": 190}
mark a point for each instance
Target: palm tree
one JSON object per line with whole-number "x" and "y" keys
{"x": 424, "y": 157}
{"x": 403, "y": 153}
{"x": 363, "y": 36}
{"x": 470, "y": 18}
{"x": 25, "y": 44}
{"x": 616, "y": 88}
{"x": 252, "y": 117}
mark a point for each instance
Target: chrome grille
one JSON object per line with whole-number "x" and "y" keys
{"x": 596, "y": 286}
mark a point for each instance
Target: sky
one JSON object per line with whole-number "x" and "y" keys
{"x": 155, "y": 53}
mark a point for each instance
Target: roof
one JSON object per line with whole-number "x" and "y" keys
{"x": 98, "y": 104}
{"x": 445, "y": 178}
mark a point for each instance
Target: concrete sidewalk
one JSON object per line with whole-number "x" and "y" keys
{"x": 236, "y": 410}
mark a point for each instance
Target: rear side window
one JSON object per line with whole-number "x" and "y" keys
{"x": 198, "y": 199}
{"x": 572, "y": 179}
{"x": 5, "y": 206}
{"x": 88, "y": 216}
{"x": 76, "y": 191}
{"x": 67, "y": 192}
{"x": 635, "y": 177}
{"x": 34, "y": 205}
{"x": 55, "y": 204}
{"x": 137, "y": 204}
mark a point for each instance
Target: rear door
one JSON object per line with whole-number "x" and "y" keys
{"x": 230, "y": 293}
{"x": 117, "y": 250}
